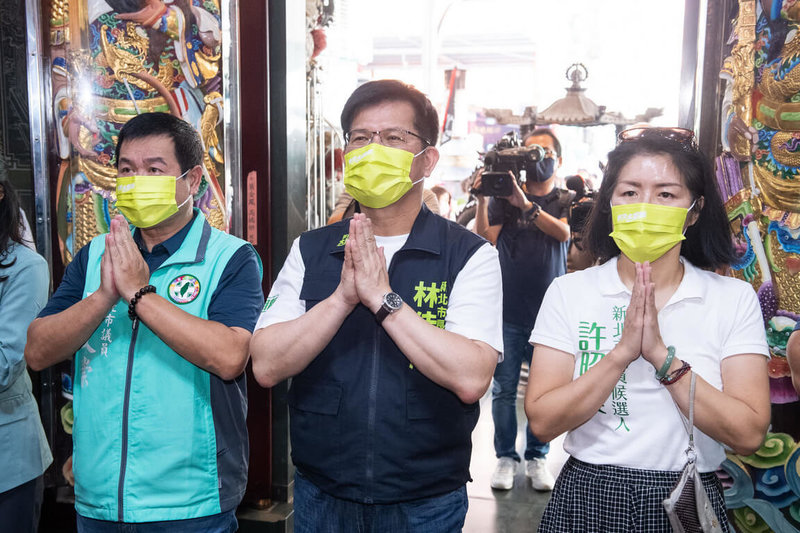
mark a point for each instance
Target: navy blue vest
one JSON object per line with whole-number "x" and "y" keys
{"x": 366, "y": 425}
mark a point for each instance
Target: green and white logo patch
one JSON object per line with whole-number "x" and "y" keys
{"x": 184, "y": 289}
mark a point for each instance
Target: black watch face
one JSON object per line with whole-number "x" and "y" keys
{"x": 393, "y": 300}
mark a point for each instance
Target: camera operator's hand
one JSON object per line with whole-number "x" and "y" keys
{"x": 482, "y": 226}
{"x": 517, "y": 198}
{"x": 476, "y": 190}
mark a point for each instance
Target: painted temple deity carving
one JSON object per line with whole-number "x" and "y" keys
{"x": 114, "y": 59}
{"x": 759, "y": 177}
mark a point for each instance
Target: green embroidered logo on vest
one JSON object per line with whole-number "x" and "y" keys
{"x": 343, "y": 240}
{"x": 184, "y": 289}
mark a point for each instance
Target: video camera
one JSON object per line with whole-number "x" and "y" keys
{"x": 577, "y": 185}
{"x": 581, "y": 203}
{"x": 508, "y": 154}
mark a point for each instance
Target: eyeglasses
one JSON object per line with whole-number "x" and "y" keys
{"x": 681, "y": 135}
{"x": 394, "y": 137}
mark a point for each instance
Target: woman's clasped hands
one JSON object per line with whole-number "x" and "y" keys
{"x": 641, "y": 334}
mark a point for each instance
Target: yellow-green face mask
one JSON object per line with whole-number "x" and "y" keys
{"x": 148, "y": 200}
{"x": 377, "y": 175}
{"x": 645, "y": 232}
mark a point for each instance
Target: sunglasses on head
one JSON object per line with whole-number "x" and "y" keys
{"x": 680, "y": 135}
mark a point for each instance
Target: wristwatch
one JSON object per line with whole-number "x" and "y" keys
{"x": 391, "y": 303}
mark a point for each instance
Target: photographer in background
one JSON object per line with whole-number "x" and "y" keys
{"x": 529, "y": 228}
{"x": 578, "y": 256}
{"x": 578, "y": 185}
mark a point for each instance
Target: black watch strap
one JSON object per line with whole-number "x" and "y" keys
{"x": 382, "y": 314}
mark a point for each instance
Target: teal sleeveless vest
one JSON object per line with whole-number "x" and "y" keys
{"x": 144, "y": 440}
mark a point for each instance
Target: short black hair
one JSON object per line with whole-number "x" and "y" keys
{"x": 708, "y": 241}
{"x": 372, "y": 93}
{"x": 10, "y": 230}
{"x": 548, "y": 132}
{"x": 188, "y": 147}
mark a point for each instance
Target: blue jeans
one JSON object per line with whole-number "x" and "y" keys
{"x": 217, "y": 523}
{"x": 504, "y": 396}
{"x": 318, "y": 512}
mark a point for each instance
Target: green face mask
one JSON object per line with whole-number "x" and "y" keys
{"x": 148, "y": 200}
{"x": 377, "y": 175}
{"x": 645, "y": 232}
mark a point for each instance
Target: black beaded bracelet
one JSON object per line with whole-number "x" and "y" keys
{"x": 135, "y": 300}
{"x": 533, "y": 213}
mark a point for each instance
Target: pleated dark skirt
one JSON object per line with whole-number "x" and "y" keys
{"x": 591, "y": 498}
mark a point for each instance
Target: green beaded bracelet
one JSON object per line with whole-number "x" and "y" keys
{"x": 667, "y": 363}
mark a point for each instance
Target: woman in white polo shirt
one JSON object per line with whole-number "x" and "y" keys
{"x": 614, "y": 344}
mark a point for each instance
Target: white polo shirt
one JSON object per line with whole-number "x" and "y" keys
{"x": 474, "y": 309}
{"x": 709, "y": 318}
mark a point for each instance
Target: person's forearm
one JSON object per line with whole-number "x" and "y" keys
{"x": 482, "y": 218}
{"x": 738, "y": 423}
{"x": 552, "y": 226}
{"x": 19, "y": 304}
{"x": 566, "y": 407}
{"x": 213, "y": 346}
{"x": 283, "y": 350}
{"x": 55, "y": 338}
{"x": 453, "y": 361}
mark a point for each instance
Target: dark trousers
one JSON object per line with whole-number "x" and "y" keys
{"x": 316, "y": 511}
{"x": 20, "y": 507}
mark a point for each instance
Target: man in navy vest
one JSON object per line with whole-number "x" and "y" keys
{"x": 389, "y": 325}
{"x": 160, "y": 320}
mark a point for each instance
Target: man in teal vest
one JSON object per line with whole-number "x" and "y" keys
{"x": 159, "y": 319}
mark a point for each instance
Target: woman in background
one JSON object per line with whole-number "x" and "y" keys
{"x": 24, "y": 452}
{"x": 615, "y": 345}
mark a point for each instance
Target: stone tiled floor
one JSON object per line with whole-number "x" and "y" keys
{"x": 514, "y": 511}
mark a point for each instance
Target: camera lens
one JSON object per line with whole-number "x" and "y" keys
{"x": 535, "y": 153}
